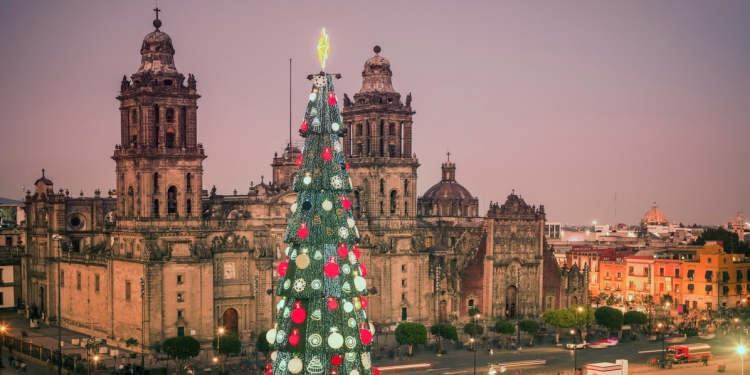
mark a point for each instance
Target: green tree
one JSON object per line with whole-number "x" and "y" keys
{"x": 227, "y": 344}
{"x": 263, "y": 346}
{"x": 411, "y": 334}
{"x": 531, "y": 327}
{"x": 635, "y": 318}
{"x": 558, "y": 319}
{"x": 601, "y": 298}
{"x": 611, "y": 300}
{"x": 473, "y": 329}
{"x": 474, "y": 311}
{"x": 504, "y": 327}
{"x": 444, "y": 330}
{"x": 667, "y": 298}
{"x": 181, "y": 349}
{"x": 609, "y": 317}
{"x": 730, "y": 240}
{"x": 583, "y": 317}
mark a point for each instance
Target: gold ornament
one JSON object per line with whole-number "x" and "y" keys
{"x": 339, "y": 212}
{"x": 302, "y": 261}
{"x": 316, "y": 219}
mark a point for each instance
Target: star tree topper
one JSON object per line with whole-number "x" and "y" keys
{"x": 323, "y": 48}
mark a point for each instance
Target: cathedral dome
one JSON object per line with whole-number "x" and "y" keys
{"x": 448, "y": 189}
{"x": 654, "y": 216}
{"x": 157, "y": 54}
{"x": 377, "y": 74}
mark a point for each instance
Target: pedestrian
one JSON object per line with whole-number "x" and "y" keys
{"x": 23, "y": 367}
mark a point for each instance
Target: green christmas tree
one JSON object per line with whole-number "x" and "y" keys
{"x": 321, "y": 326}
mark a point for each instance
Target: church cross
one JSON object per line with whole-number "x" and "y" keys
{"x": 42, "y": 172}
{"x": 449, "y": 156}
{"x": 157, "y": 10}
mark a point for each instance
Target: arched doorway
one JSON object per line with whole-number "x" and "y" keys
{"x": 574, "y": 300}
{"x": 230, "y": 320}
{"x": 511, "y": 298}
{"x": 443, "y": 312}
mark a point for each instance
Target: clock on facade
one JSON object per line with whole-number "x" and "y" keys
{"x": 230, "y": 271}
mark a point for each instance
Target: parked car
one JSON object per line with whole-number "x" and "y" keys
{"x": 577, "y": 345}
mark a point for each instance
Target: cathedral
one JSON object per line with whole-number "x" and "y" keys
{"x": 163, "y": 255}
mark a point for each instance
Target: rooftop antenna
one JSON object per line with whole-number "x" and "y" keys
{"x": 290, "y": 105}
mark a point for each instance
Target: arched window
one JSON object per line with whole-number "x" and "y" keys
{"x": 156, "y": 208}
{"x": 382, "y": 208}
{"x": 356, "y": 204}
{"x": 381, "y": 128}
{"x": 183, "y": 127}
{"x": 189, "y": 182}
{"x": 392, "y": 129}
{"x": 170, "y": 115}
{"x": 155, "y": 127}
{"x": 156, "y": 182}
{"x": 172, "y": 200}
{"x": 394, "y": 195}
{"x": 170, "y": 137}
{"x": 189, "y": 207}
{"x": 406, "y": 208}
{"x": 406, "y": 188}
{"x": 382, "y": 186}
{"x": 131, "y": 202}
{"x": 358, "y": 132}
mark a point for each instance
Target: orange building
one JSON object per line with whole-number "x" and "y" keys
{"x": 716, "y": 279}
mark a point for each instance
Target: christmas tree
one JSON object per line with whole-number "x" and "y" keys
{"x": 321, "y": 325}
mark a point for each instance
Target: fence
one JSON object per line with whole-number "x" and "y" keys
{"x": 44, "y": 355}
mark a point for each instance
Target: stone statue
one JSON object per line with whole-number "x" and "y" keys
{"x": 124, "y": 84}
{"x": 347, "y": 101}
{"x": 408, "y": 100}
{"x": 213, "y": 190}
{"x": 191, "y": 82}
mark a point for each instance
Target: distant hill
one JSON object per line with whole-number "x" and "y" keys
{"x": 9, "y": 201}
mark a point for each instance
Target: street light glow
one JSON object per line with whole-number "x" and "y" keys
{"x": 741, "y": 350}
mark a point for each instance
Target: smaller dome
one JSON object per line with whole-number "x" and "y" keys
{"x": 654, "y": 216}
{"x": 377, "y": 74}
{"x": 157, "y": 41}
{"x": 157, "y": 54}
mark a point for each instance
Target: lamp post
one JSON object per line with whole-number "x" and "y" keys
{"x": 579, "y": 310}
{"x": 474, "y": 344}
{"x": 58, "y": 238}
{"x": 475, "y": 355}
{"x": 741, "y": 352}
{"x": 663, "y": 352}
{"x": 218, "y": 347}
{"x": 575, "y": 354}
{"x": 2, "y": 329}
{"x": 96, "y": 359}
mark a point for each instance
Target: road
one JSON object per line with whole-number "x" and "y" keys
{"x": 557, "y": 359}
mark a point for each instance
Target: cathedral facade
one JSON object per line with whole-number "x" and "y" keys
{"x": 162, "y": 256}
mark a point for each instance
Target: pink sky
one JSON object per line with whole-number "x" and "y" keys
{"x": 565, "y": 102}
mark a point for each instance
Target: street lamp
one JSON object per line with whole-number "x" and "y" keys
{"x": 578, "y": 311}
{"x": 96, "y": 359}
{"x": 2, "y": 329}
{"x": 664, "y": 353}
{"x": 218, "y": 347}
{"x": 58, "y": 238}
{"x": 475, "y": 354}
{"x": 575, "y": 353}
{"x": 741, "y": 352}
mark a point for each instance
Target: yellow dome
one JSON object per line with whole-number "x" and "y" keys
{"x": 654, "y": 216}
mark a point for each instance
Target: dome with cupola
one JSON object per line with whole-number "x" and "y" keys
{"x": 654, "y": 216}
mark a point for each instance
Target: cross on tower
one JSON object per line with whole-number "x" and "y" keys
{"x": 157, "y": 10}
{"x": 449, "y": 156}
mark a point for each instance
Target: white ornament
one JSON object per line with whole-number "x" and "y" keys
{"x": 313, "y": 112}
{"x": 294, "y": 207}
{"x": 319, "y": 80}
{"x": 271, "y": 335}
{"x": 318, "y": 255}
{"x": 286, "y": 312}
{"x": 295, "y": 365}
{"x": 335, "y": 340}
{"x": 350, "y": 356}
{"x": 280, "y": 335}
{"x": 299, "y": 285}
{"x": 316, "y": 284}
{"x": 350, "y": 342}
{"x": 315, "y": 340}
{"x": 346, "y": 269}
{"x": 274, "y": 355}
{"x": 372, "y": 328}
{"x": 343, "y": 232}
{"x": 359, "y": 283}
{"x": 316, "y": 124}
{"x": 327, "y": 205}
{"x": 350, "y": 181}
{"x": 352, "y": 323}
{"x": 316, "y": 314}
{"x": 335, "y": 126}
{"x": 366, "y": 361}
{"x": 337, "y": 146}
{"x": 313, "y": 96}
{"x": 307, "y": 180}
{"x": 350, "y": 222}
{"x": 336, "y": 182}
{"x": 287, "y": 284}
{"x": 352, "y": 257}
{"x": 346, "y": 287}
{"x": 280, "y": 305}
{"x": 287, "y": 250}
{"x": 354, "y": 372}
{"x": 348, "y": 307}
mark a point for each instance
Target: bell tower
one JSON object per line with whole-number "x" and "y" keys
{"x": 159, "y": 161}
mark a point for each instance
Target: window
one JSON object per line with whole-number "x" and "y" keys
{"x": 78, "y": 280}
{"x": 96, "y": 283}
{"x": 709, "y": 259}
{"x": 170, "y": 137}
{"x": 127, "y": 290}
{"x": 619, "y": 276}
{"x": 403, "y": 283}
{"x": 403, "y": 313}
{"x": 606, "y": 285}
{"x": 549, "y": 302}
{"x": 180, "y": 331}
{"x": 1, "y": 275}
{"x": 189, "y": 182}
{"x": 677, "y": 288}
{"x": 382, "y": 186}
{"x": 631, "y": 270}
{"x": 156, "y": 182}
{"x": 606, "y": 275}
{"x": 156, "y": 208}
{"x": 406, "y": 188}
{"x": 676, "y": 272}
{"x": 645, "y": 271}
{"x": 180, "y": 297}
{"x": 471, "y": 303}
{"x": 403, "y": 267}
{"x": 725, "y": 260}
{"x": 661, "y": 271}
{"x": 180, "y": 279}
{"x": 661, "y": 287}
{"x": 189, "y": 207}
{"x": 180, "y": 314}
{"x": 2, "y": 299}
{"x": 393, "y": 202}
{"x": 358, "y": 131}
{"x": 172, "y": 200}
{"x": 428, "y": 242}
{"x": 62, "y": 278}
{"x": 631, "y": 284}
{"x": 170, "y": 114}
{"x": 391, "y": 129}
{"x": 403, "y": 296}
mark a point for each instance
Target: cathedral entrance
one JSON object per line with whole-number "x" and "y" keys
{"x": 230, "y": 320}
{"x": 511, "y": 298}
{"x": 443, "y": 312}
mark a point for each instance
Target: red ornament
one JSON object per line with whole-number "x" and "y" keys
{"x": 302, "y": 232}
{"x": 294, "y": 338}
{"x": 333, "y": 371}
{"x": 282, "y": 268}
{"x": 305, "y": 125}
{"x": 363, "y": 302}
{"x": 269, "y": 373}
{"x": 299, "y": 160}
{"x": 298, "y": 315}
{"x": 375, "y": 371}
{"x": 356, "y": 251}
{"x": 327, "y": 155}
{"x": 331, "y": 270}
{"x": 366, "y": 336}
{"x": 363, "y": 270}
{"x": 347, "y": 166}
{"x": 343, "y": 251}
{"x": 332, "y": 303}
{"x": 331, "y": 98}
{"x": 346, "y": 203}
{"x": 336, "y": 360}
{"x": 269, "y": 366}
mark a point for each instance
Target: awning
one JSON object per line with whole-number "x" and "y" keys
{"x": 691, "y": 273}
{"x": 709, "y": 287}
{"x": 725, "y": 275}
{"x": 739, "y": 275}
{"x": 739, "y": 288}
{"x": 725, "y": 288}
{"x": 709, "y": 275}
{"x": 692, "y": 286}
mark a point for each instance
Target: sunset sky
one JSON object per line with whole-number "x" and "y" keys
{"x": 567, "y": 102}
